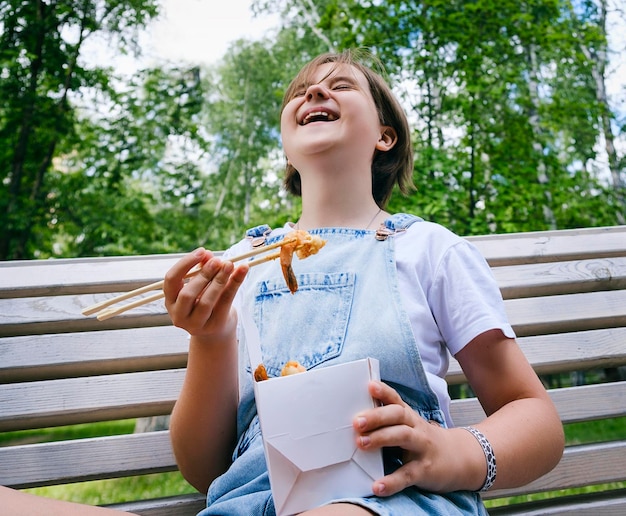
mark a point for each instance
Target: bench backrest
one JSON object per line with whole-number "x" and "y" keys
{"x": 565, "y": 293}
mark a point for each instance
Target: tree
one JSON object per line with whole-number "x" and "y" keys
{"x": 241, "y": 113}
{"x": 130, "y": 181}
{"x": 40, "y": 50}
{"x": 490, "y": 88}
{"x": 507, "y": 101}
{"x": 589, "y": 34}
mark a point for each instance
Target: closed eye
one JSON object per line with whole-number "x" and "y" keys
{"x": 343, "y": 82}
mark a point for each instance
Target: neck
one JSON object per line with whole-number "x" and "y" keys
{"x": 344, "y": 212}
{"x": 337, "y": 193}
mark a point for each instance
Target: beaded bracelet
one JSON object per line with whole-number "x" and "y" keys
{"x": 490, "y": 456}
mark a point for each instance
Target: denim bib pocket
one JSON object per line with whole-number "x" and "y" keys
{"x": 322, "y": 337}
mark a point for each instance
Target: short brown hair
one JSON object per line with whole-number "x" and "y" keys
{"x": 388, "y": 168}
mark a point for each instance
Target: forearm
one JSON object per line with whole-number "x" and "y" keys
{"x": 523, "y": 425}
{"x": 203, "y": 423}
{"x": 527, "y": 438}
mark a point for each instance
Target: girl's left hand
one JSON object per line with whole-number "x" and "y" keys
{"x": 428, "y": 450}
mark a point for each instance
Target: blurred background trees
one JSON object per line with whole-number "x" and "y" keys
{"x": 513, "y": 127}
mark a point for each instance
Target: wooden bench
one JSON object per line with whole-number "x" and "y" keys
{"x": 565, "y": 292}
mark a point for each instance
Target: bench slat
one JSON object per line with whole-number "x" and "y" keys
{"x": 537, "y": 315}
{"x": 34, "y": 278}
{"x": 62, "y": 314}
{"x": 112, "y": 274}
{"x": 606, "y": 503}
{"x": 568, "y": 312}
{"x": 51, "y": 356}
{"x": 548, "y": 279}
{"x": 83, "y": 400}
{"x": 564, "y": 352}
{"x": 582, "y": 403}
{"x": 136, "y": 454}
{"x": 582, "y": 465}
{"x": 86, "y": 459}
{"x": 41, "y": 357}
{"x": 184, "y": 505}
{"x": 552, "y": 246}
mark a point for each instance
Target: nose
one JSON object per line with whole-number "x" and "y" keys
{"x": 316, "y": 91}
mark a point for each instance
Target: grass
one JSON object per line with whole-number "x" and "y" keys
{"x": 119, "y": 490}
{"x": 99, "y": 492}
{"x": 596, "y": 431}
{"x": 63, "y": 433}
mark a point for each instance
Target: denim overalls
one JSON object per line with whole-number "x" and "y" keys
{"x": 347, "y": 307}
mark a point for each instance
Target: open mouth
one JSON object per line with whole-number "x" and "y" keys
{"x": 320, "y": 115}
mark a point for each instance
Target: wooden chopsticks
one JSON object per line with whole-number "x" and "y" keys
{"x": 104, "y": 310}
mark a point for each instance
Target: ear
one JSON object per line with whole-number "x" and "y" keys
{"x": 388, "y": 139}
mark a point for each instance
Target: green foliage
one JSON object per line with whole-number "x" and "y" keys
{"x": 110, "y": 188}
{"x": 40, "y": 46}
{"x": 505, "y": 105}
{"x": 505, "y": 98}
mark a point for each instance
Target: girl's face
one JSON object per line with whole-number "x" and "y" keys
{"x": 334, "y": 112}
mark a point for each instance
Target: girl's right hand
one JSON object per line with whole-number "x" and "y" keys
{"x": 203, "y": 305}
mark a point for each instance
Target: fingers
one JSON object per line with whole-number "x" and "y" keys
{"x": 394, "y": 411}
{"x": 400, "y": 479}
{"x": 388, "y": 427}
{"x": 396, "y": 425}
{"x": 174, "y": 278}
{"x": 202, "y": 304}
{"x": 213, "y": 291}
{"x": 383, "y": 393}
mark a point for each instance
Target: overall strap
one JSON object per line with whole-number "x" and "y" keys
{"x": 258, "y": 235}
{"x": 396, "y": 224}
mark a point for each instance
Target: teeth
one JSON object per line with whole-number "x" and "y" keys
{"x": 316, "y": 114}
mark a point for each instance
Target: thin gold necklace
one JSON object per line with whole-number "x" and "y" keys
{"x": 297, "y": 226}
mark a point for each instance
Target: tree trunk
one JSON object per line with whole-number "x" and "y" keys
{"x": 13, "y": 239}
{"x": 598, "y": 61}
{"x": 533, "y": 120}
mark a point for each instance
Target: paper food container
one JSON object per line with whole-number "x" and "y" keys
{"x": 310, "y": 444}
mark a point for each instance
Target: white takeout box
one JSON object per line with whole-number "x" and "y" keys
{"x": 310, "y": 444}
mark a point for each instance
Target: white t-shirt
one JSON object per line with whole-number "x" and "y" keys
{"x": 450, "y": 296}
